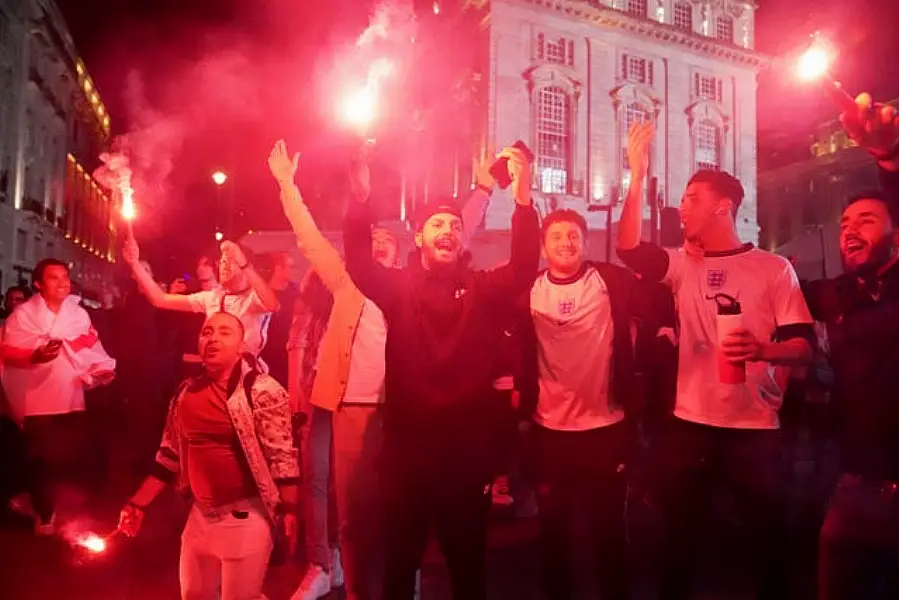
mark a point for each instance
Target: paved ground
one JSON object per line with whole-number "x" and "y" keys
{"x": 146, "y": 568}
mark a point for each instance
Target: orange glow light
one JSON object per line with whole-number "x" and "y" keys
{"x": 127, "y": 203}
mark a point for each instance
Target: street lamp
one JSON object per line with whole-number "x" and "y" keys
{"x": 219, "y": 236}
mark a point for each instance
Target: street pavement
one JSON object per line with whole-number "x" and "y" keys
{"x": 147, "y": 568}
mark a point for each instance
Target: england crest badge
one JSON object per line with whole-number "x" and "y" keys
{"x": 716, "y": 278}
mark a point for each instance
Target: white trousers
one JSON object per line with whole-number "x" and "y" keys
{"x": 230, "y": 554}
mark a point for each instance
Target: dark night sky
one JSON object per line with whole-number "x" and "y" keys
{"x": 261, "y": 58}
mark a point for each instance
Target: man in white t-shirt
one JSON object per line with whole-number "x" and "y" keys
{"x": 726, "y": 432}
{"x": 243, "y": 293}
{"x": 578, "y": 385}
{"x": 52, "y": 353}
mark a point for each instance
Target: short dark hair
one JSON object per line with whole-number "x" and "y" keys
{"x": 38, "y": 275}
{"x": 563, "y": 215}
{"x": 18, "y": 288}
{"x": 879, "y": 196}
{"x": 723, "y": 183}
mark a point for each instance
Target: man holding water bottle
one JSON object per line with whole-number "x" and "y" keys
{"x": 742, "y": 321}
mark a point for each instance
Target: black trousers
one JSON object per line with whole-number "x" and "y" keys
{"x": 432, "y": 489}
{"x": 583, "y": 469}
{"x": 858, "y": 554}
{"x": 692, "y": 458}
{"x": 58, "y": 451}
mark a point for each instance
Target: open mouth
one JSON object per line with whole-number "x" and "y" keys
{"x": 854, "y": 245}
{"x": 445, "y": 244}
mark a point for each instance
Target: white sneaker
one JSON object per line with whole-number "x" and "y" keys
{"x": 337, "y": 577}
{"x": 316, "y": 584}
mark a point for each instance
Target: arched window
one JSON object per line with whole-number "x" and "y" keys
{"x": 553, "y": 152}
{"x": 707, "y": 146}
{"x": 632, "y": 113}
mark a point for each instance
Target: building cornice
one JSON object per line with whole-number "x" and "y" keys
{"x": 649, "y": 28}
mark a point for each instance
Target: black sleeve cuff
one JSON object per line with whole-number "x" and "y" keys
{"x": 805, "y": 331}
{"x": 648, "y": 260}
{"x": 162, "y": 473}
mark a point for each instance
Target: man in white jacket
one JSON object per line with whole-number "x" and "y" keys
{"x": 51, "y": 354}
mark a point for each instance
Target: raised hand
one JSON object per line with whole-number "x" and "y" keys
{"x": 520, "y": 172}
{"x": 360, "y": 179}
{"x": 874, "y": 127}
{"x": 233, "y": 253}
{"x": 639, "y": 139}
{"x": 131, "y": 252}
{"x": 281, "y": 164}
{"x": 482, "y": 173}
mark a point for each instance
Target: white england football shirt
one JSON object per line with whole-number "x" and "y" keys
{"x": 573, "y": 323}
{"x": 768, "y": 291}
{"x": 246, "y": 306}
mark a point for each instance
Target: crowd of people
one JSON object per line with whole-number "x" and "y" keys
{"x": 375, "y": 405}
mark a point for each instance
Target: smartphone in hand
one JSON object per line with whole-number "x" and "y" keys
{"x": 500, "y": 169}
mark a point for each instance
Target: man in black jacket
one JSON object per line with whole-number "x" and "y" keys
{"x": 440, "y": 429}
{"x": 859, "y": 546}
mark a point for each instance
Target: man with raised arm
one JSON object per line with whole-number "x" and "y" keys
{"x": 742, "y": 318}
{"x": 342, "y": 395}
{"x": 859, "y": 545}
{"x": 243, "y": 293}
{"x": 440, "y": 427}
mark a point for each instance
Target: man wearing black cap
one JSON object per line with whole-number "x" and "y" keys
{"x": 440, "y": 426}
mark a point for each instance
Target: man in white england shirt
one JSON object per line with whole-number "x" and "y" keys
{"x": 243, "y": 293}
{"x": 723, "y": 432}
{"x": 578, "y": 385}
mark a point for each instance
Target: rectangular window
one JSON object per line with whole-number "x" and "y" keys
{"x": 636, "y": 7}
{"x": 683, "y": 16}
{"x": 635, "y": 69}
{"x": 707, "y": 141}
{"x": 707, "y": 87}
{"x": 559, "y": 51}
{"x": 553, "y": 142}
{"x": 724, "y": 29}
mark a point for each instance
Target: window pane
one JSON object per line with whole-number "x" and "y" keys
{"x": 637, "y": 7}
{"x": 553, "y": 114}
{"x": 707, "y": 142}
{"x": 683, "y": 16}
{"x": 724, "y": 29}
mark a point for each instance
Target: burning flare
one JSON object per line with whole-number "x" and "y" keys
{"x": 93, "y": 543}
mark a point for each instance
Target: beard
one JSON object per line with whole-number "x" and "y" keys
{"x": 881, "y": 253}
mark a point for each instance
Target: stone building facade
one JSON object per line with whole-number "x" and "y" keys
{"x": 53, "y": 126}
{"x": 569, "y": 78}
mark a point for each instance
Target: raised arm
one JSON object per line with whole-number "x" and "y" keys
{"x": 649, "y": 260}
{"x": 321, "y": 254}
{"x": 507, "y": 282}
{"x": 875, "y": 127}
{"x": 147, "y": 285}
{"x": 476, "y": 206}
{"x": 376, "y": 282}
{"x": 268, "y": 300}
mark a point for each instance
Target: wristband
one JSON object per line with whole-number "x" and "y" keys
{"x": 486, "y": 189}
